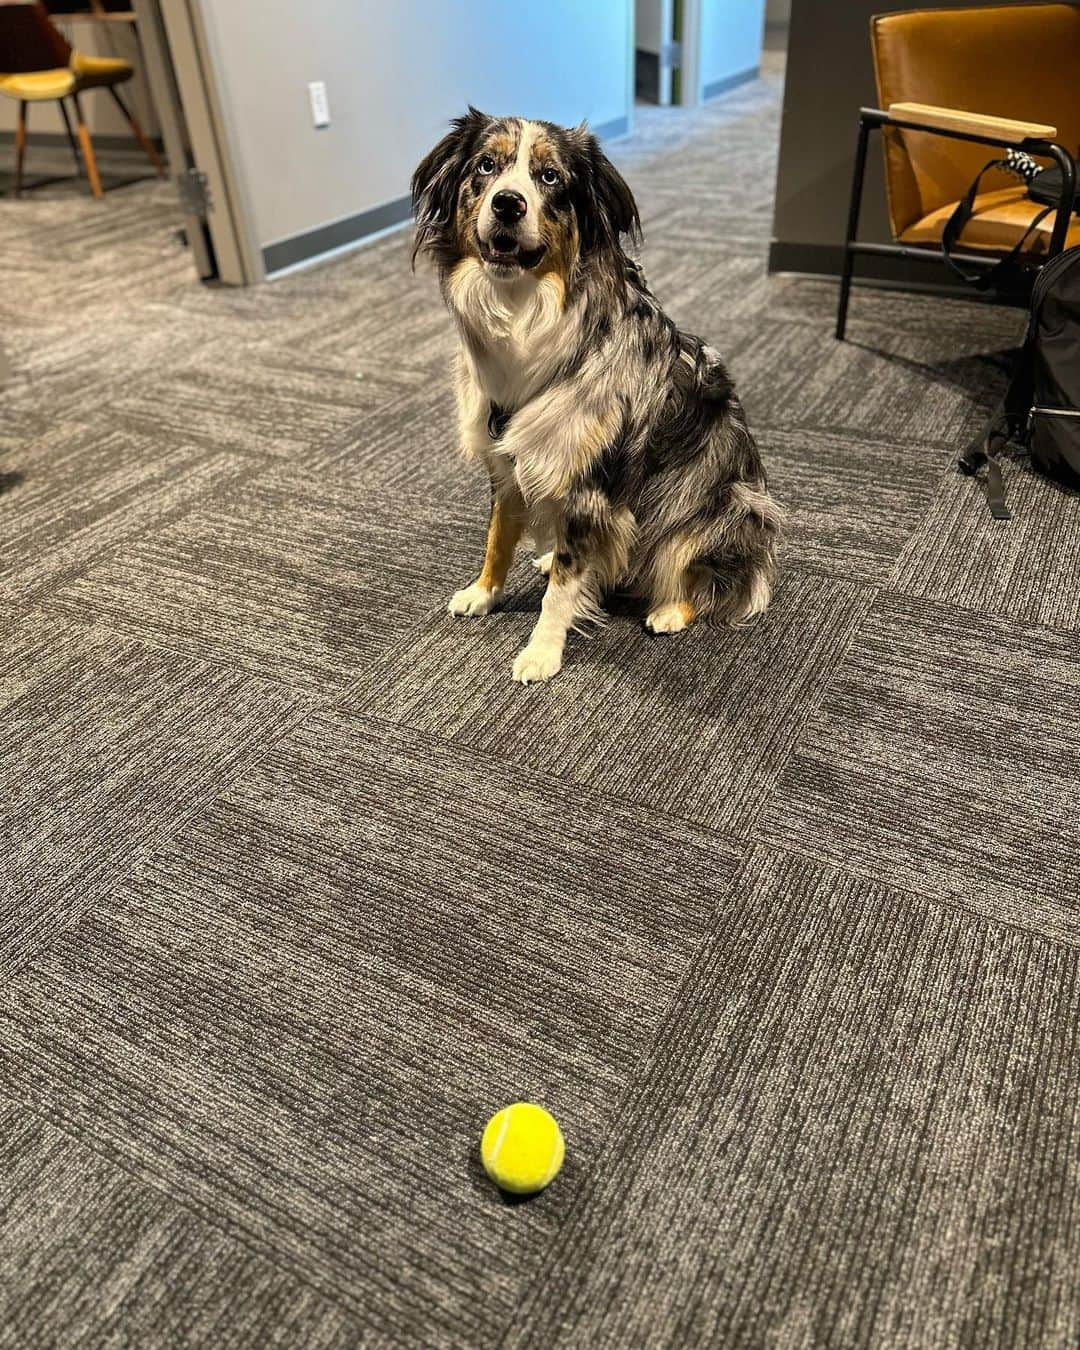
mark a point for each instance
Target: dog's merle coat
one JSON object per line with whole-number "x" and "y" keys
{"x": 613, "y": 439}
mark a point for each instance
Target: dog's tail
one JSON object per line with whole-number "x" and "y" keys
{"x": 734, "y": 576}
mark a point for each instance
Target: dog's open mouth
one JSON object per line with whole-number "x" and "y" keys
{"x": 502, "y": 251}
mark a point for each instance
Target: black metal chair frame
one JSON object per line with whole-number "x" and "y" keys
{"x": 873, "y": 119}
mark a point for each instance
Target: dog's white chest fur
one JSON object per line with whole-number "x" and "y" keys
{"x": 516, "y": 333}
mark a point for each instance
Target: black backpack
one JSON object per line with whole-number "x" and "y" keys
{"x": 1041, "y": 408}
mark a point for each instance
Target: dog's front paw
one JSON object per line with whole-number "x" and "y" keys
{"x": 537, "y": 662}
{"x": 671, "y": 618}
{"x": 543, "y": 563}
{"x": 474, "y": 600}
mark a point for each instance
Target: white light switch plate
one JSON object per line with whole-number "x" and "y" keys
{"x": 320, "y": 107}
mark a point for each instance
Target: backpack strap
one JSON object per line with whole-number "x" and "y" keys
{"x": 964, "y": 210}
{"x": 985, "y": 451}
{"x": 1007, "y": 423}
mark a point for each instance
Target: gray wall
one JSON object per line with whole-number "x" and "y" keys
{"x": 395, "y": 73}
{"x": 830, "y": 75}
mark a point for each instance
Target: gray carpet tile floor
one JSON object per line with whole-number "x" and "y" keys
{"x": 110, "y": 744}
{"x": 973, "y": 717}
{"x": 633, "y": 706}
{"x": 295, "y": 1013}
{"x": 845, "y": 1135}
{"x": 93, "y": 1256}
{"x": 298, "y": 887}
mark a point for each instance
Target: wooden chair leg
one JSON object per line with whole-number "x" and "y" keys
{"x": 87, "y": 149}
{"x": 71, "y": 137}
{"x": 147, "y": 145}
{"x": 20, "y": 148}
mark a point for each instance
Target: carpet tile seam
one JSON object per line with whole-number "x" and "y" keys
{"x": 160, "y": 840}
{"x": 711, "y": 942}
{"x": 214, "y": 1219}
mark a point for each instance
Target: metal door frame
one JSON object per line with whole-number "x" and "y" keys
{"x": 215, "y": 206}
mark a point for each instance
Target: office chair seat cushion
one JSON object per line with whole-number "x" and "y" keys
{"x": 34, "y": 85}
{"x": 96, "y": 71}
{"x": 997, "y": 222}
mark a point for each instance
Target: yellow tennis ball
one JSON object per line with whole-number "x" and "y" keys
{"x": 522, "y": 1148}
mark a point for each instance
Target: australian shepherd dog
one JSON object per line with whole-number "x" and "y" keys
{"x": 615, "y": 443}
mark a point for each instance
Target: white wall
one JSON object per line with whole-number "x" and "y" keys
{"x": 731, "y": 38}
{"x": 396, "y": 71}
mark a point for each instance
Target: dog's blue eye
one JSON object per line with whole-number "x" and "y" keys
{"x": 549, "y": 176}
{"x": 486, "y": 165}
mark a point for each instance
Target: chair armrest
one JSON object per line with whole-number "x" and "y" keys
{"x": 1006, "y": 129}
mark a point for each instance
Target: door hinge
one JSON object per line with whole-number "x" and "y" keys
{"x": 194, "y": 189}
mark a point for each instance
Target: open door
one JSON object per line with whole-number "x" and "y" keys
{"x": 666, "y": 57}
{"x": 656, "y": 51}
{"x": 214, "y": 214}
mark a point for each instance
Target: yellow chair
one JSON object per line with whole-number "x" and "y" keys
{"x": 37, "y": 65}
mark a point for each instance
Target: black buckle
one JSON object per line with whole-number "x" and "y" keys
{"x": 498, "y": 420}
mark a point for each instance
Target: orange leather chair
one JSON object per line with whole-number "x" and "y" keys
{"x": 950, "y": 83}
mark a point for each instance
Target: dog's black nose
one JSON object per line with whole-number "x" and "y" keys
{"x": 508, "y": 206}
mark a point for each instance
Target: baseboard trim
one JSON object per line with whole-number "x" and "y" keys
{"x": 824, "y": 262}
{"x": 730, "y": 82}
{"x": 58, "y": 140}
{"x": 611, "y": 131}
{"x": 300, "y": 250}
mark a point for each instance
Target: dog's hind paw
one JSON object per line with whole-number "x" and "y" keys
{"x": 671, "y": 618}
{"x": 543, "y": 563}
{"x": 474, "y": 600}
{"x": 539, "y": 661}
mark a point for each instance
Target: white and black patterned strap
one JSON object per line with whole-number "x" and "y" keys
{"x": 1021, "y": 164}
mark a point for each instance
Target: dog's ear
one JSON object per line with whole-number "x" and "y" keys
{"x": 435, "y": 182}
{"x": 605, "y": 205}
